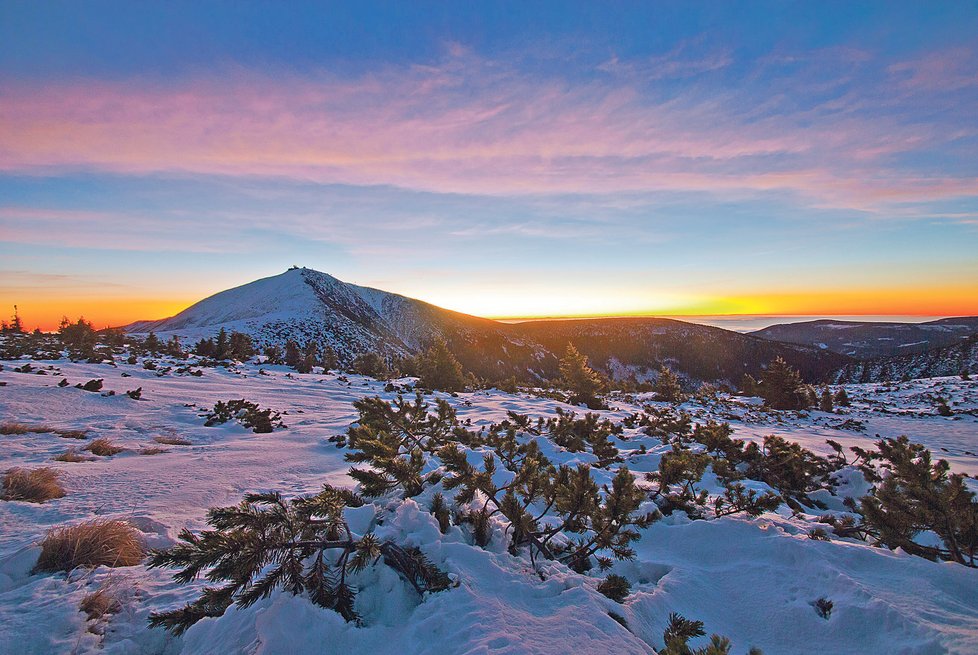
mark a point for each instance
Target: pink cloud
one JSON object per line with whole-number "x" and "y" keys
{"x": 465, "y": 126}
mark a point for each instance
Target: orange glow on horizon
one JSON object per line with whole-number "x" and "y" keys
{"x": 959, "y": 300}
{"x": 101, "y": 312}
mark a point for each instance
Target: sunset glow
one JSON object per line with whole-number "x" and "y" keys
{"x": 701, "y": 163}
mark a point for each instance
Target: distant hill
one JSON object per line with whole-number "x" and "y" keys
{"x": 303, "y": 305}
{"x": 869, "y": 340}
{"x": 936, "y": 362}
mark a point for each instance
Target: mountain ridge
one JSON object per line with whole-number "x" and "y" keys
{"x": 873, "y": 339}
{"x": 306, "y": 305}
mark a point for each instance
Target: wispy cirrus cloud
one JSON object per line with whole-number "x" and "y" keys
{"x": 475, "y": 126}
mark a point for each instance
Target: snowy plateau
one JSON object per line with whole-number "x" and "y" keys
{"x": 752, "y": 579}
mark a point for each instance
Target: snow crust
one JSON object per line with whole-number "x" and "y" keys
{"x": 752, "y": 580}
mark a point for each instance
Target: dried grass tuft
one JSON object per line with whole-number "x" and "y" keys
{"x": 103, "y": 447}
{"x": 72, "y": 455}
{"x": 33, "y": 485}
{"x": 153, "y": 450}
{"x": 98, "y": 542}
{"x": 99, "y": 604}
{"x": 172, "y": 441}
{"x": 23, "y": 428}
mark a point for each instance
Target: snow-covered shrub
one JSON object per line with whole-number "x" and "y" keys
{"x": 615, "y": 587}
{"x": 915, "y": 495}
{"x": 247, "y": 413}
{"x": 302, "y": 545}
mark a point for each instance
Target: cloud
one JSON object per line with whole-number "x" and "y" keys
{"x": 466, "y": 125}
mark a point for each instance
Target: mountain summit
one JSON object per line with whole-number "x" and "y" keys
{"x": 306, "y": 305}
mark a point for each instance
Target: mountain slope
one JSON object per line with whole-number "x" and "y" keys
{"x": 871, "y": 339}
{"x": 306, "y": 305}
{"x": 938, "y": 362}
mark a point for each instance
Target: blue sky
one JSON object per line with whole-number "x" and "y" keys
{"x": 502, "y": 159}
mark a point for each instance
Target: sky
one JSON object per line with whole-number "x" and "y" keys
{"x": 501, "y": 159}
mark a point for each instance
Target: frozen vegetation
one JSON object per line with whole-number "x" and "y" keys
{"x": 762, "y": 552}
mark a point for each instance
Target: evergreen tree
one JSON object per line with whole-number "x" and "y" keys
{"x": 293, "y": 355}
{"x": 240, "y": 347}
{"x": 173, "y": 347}
{"x": 222, "y": 347}
{"x": 842, "y": 398}
{"x": 782, "y": 388}
{"x": 15, "y": 325}
{"x": 916, "y": 496}
{"x": 825, "y": 401}
{"x": 439, "y": 369}
{"x": 372, "y": 365}
{"x": 205, "y": 348}
{"x": 273, "y": 354}
{"x": 748, "y": 385}
{"x": 329, "y": 360}
{"x": 583, "y": 383}
{"x": 667, "y": 386}
{"x": 151, "y": 343}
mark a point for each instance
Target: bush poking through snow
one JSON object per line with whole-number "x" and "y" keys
{"x": 91, "y": 385}
{"x": 98, "y": 542}
{"x": 615, "y": 587}
{"x": 303, "y": 545}
{"x": 823, "y": 607}
{"x": 171, "y": 441}
{"x": 440, "y": 511}
{"x": 72, "y": 455}
{"x": 247, "y": 413}
{"x": 32, "y": 485}
{"x": 681, "y": 630}
{"x": 103, "y": 447}
{"x": 398, "y": 439}
{"x": 917, "y": 495}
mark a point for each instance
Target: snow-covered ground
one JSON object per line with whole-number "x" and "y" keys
{"x": 753, "y": 580}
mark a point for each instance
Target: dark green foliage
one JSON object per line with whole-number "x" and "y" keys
{"x": 91, "y": 385}
{"x": 293, "y": 355}
{"x": 917, "y": 495}
{"x": 737, "y": 498}
{"x": 825, "y": 402}
{"x": 786, "y": 466}
{"x": 135, "y": 394}
{"x": 372, "y": 365}
{"x": 943, "y": 408}
{"x": 748, "y": 385}
{"x": 842, "y": 398}
{"x": 440, "y": 511}
{"x": 247, "y": 413}
{"x": 79, "y": 338}
{"x": 823, "y": 607}
{"x": 577, "y": 435}
{"x": 615, "y": 587}
{"x": 302, "y": 545}
{"x": 679, "y": 471}
{"x": 394, "y": 439}
{"x": 592, "y": 520}
{"x": 667, "y": 386}
{"x": 781, "y": 387}
{"x": 583, "y": 383}
{"x": 680, "y": 630}
{"x": 438, "y": 369}
{"x": 273, "y": 354}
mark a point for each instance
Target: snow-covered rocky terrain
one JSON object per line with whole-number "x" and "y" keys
{"x": 753, "y": 580}
{"x": 305, "y": 305}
